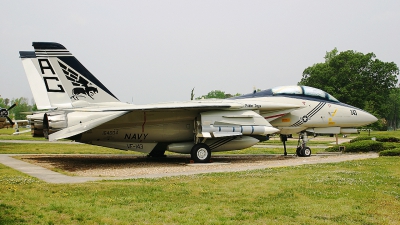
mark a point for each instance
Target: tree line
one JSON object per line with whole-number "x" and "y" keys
{"x": 360, "y": 80}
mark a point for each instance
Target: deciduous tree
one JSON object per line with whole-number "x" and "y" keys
{"x": 217, "y": 94}
{"x": 355, "y": 78}
{"x": 22, "y": 106}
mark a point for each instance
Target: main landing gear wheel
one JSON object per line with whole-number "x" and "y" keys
{"x": 201, "y": 153}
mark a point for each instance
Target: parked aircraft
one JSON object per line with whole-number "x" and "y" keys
{"x": 81, "y": 108}
{"x": 5, "y": 120}
{"x": 4, "y": 117}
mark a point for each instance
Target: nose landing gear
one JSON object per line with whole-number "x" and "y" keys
{"x": 302, "y": 150}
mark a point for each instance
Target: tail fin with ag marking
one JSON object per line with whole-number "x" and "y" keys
{"x": 58, "y": 80}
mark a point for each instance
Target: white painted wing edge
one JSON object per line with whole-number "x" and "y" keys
{"x": 161, "y": 106}
{"x": 195, "y": 105}
{"x": 82, "y": 127}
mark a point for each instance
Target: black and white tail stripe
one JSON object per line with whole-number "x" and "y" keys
{"x": 309, "y": 114}
{"x": 51, "y": 52}
{"x": 221, "y": 142}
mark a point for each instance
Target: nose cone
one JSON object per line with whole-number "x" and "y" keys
{"x": 368, "y": 118}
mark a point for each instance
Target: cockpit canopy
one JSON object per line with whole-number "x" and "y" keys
{"x": 303, "y": 90}
{"x": 300, "y": 91}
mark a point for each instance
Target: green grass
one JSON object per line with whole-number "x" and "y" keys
{"x": 7, "y": 134}
{"x": 43, "y": 148}
{"x": 381, "y": 133}
{"x": 356, "y": 192}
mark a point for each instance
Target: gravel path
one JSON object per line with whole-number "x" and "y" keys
{"x": 128, "y": 166}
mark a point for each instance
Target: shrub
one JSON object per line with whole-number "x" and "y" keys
{"x": 361, "y": 146}
{"x": 390, "y": 152}
{"x": 378, "y": 138}
{"x": 365, "y": 146}
{"x": 361, "y": 138}
{"x": 387, "y": 139}
{"x": 333, "y": 148}
{"x": 390, "y": 145}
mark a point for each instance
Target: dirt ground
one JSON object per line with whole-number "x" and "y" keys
{"x": 130, "y": 166}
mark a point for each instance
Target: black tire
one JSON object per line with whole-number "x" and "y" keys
{"x": 201, "y": 153}
{"x": 298, "y": 152}
{"x": 306, "y": 152}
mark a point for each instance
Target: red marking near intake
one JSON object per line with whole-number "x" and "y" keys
{"x": 279, "y": 115}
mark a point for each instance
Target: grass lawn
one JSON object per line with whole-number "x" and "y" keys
{"x": 61, "y": 148}
{"x": 355, "y": 192}
{"x": 7, "y": 134}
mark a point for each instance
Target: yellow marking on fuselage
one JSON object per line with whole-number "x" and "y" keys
{"x": 330, "y": 122}
{"x": 333, "y": 114}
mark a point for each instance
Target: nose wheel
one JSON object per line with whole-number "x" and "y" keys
{"x": 302, "y": 150}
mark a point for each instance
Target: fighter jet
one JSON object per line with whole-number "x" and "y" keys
{"x": 81, "y": 108}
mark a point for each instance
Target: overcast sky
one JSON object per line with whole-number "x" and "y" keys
{"x": 157, "y": 51}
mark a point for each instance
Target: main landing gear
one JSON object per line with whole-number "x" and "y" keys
{"x": 201, "y": 153}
